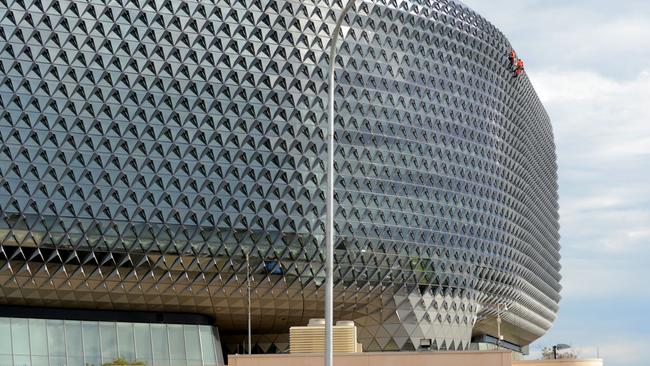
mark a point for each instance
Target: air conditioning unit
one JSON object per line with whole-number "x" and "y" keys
{"x": 311, "y": 339}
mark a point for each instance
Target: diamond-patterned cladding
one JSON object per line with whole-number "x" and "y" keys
{"x": 147, "y": 145}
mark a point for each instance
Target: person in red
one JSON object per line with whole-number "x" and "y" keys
{"x": 519, "y": 68}
{"x": 513, "y": 57}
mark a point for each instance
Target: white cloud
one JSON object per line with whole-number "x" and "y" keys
{"x": 578, "y": 85}
{"x": 620, "y": 41}
{"x": 593, "y": 279}
{"x": 602, "y": 127}
{"x": 602, "y": 133}
{"x": 627, "y": 351}
{"x": 596, "y": 117}
{"x": 589, "y": 61}
{"x": 589, "y": 35}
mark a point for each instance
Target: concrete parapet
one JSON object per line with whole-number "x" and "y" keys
{"x": 488, "y": 358}
{"x": 563, "y": 362}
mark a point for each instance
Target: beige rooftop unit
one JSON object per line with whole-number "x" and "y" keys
{"x": 311, "y": 339}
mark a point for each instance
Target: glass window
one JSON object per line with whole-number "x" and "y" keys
{"x": 73, "y": 340}
{"x": 40, "y": 342}
{"x": 207, "y": 345}
{"x": 126, "y": 345}
{"x": 90, "y": 331}
{"x": 218, "y": 351}
{"x": 21, "y": 360}
{"x": 5, "y": 337}
{"x": 160, "y": 344}
{"x": 192, "y": 345}
{"x": 6, "y": 360}
{"x": 176, "y": 342}
{"x": 108, "y": 338}
{"x": 20, "y": 337}
{"x": 272, "y": 267}
{"x": 38, "y": 337}
{"x": 142, "y": 342}
{"x": 57, "y": 360}
{"x": 193, "y": 362}
{"x": 55, "y": 338}
{"x": 39, "y": 360}
{"x": 74, "y": 360}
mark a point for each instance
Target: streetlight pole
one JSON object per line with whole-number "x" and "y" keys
{"x": 499, "y": 336}
{"x": 559, "y": 347}
{"x": 248, "y": 288}
{"x": 329, "y": 224}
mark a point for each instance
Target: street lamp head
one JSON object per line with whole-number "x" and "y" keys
{"x": 562, "y": 346}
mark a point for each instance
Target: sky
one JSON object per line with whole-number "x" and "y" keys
{"x": 589, "y": 61}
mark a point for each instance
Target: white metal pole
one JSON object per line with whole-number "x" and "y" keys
{"x": 498, "y": 326}
{"x": 248, "y": 285}
{"x": 329, "y": 224}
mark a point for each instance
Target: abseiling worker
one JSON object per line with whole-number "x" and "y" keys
{"x": 513, "y": 57}
{"x": 519, "y": 68}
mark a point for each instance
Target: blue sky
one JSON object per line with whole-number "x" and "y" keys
{"x": 589, "y": 61}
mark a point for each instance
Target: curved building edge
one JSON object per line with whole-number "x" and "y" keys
{"x": 152, "y": 153}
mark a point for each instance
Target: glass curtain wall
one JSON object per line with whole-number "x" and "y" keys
{"x": 41, "y": 342}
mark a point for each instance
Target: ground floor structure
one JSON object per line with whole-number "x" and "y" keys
{"x": 467, "y": 358}
{"x": 47, "y": 337}
{"x": 65, "y": 337}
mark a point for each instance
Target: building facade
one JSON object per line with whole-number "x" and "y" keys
{"x": 151, "y": 151}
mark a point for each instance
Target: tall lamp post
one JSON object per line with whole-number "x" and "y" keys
{"x": 329, "y": 224}
{"x": 248, "y": 290}
{"x": 499, "y": 336}
{"x": 559, "y": 347}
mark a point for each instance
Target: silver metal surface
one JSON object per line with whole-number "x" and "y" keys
{"x": 144, "y": 147}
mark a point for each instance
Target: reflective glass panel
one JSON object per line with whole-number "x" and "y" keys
{"x": 38, "y": 337}
{"x": 207, "y": 345}
{"x": 75, "y": 360}
{"x": 108, "y": 335}
{"x": 5, "y": 336}
{"x": 21, "y": 360}
{"x": 40, "y": 361}
{"x": 55, "y": 338}
{"x": 57, "y": 361}
{"x": 176, "y": 342}
{"x": 20, "y": 337}
{"x": 40, "y": 342}
{"x": 90, "y": 331}
{"x": 142, "y": 342}
{"x": 6, "y": 360}
{"x": 192, "y": 345}
{"x": 160, "y": 344}
{"x": 73, "y": 342}
{"x": 125, "y": 342}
